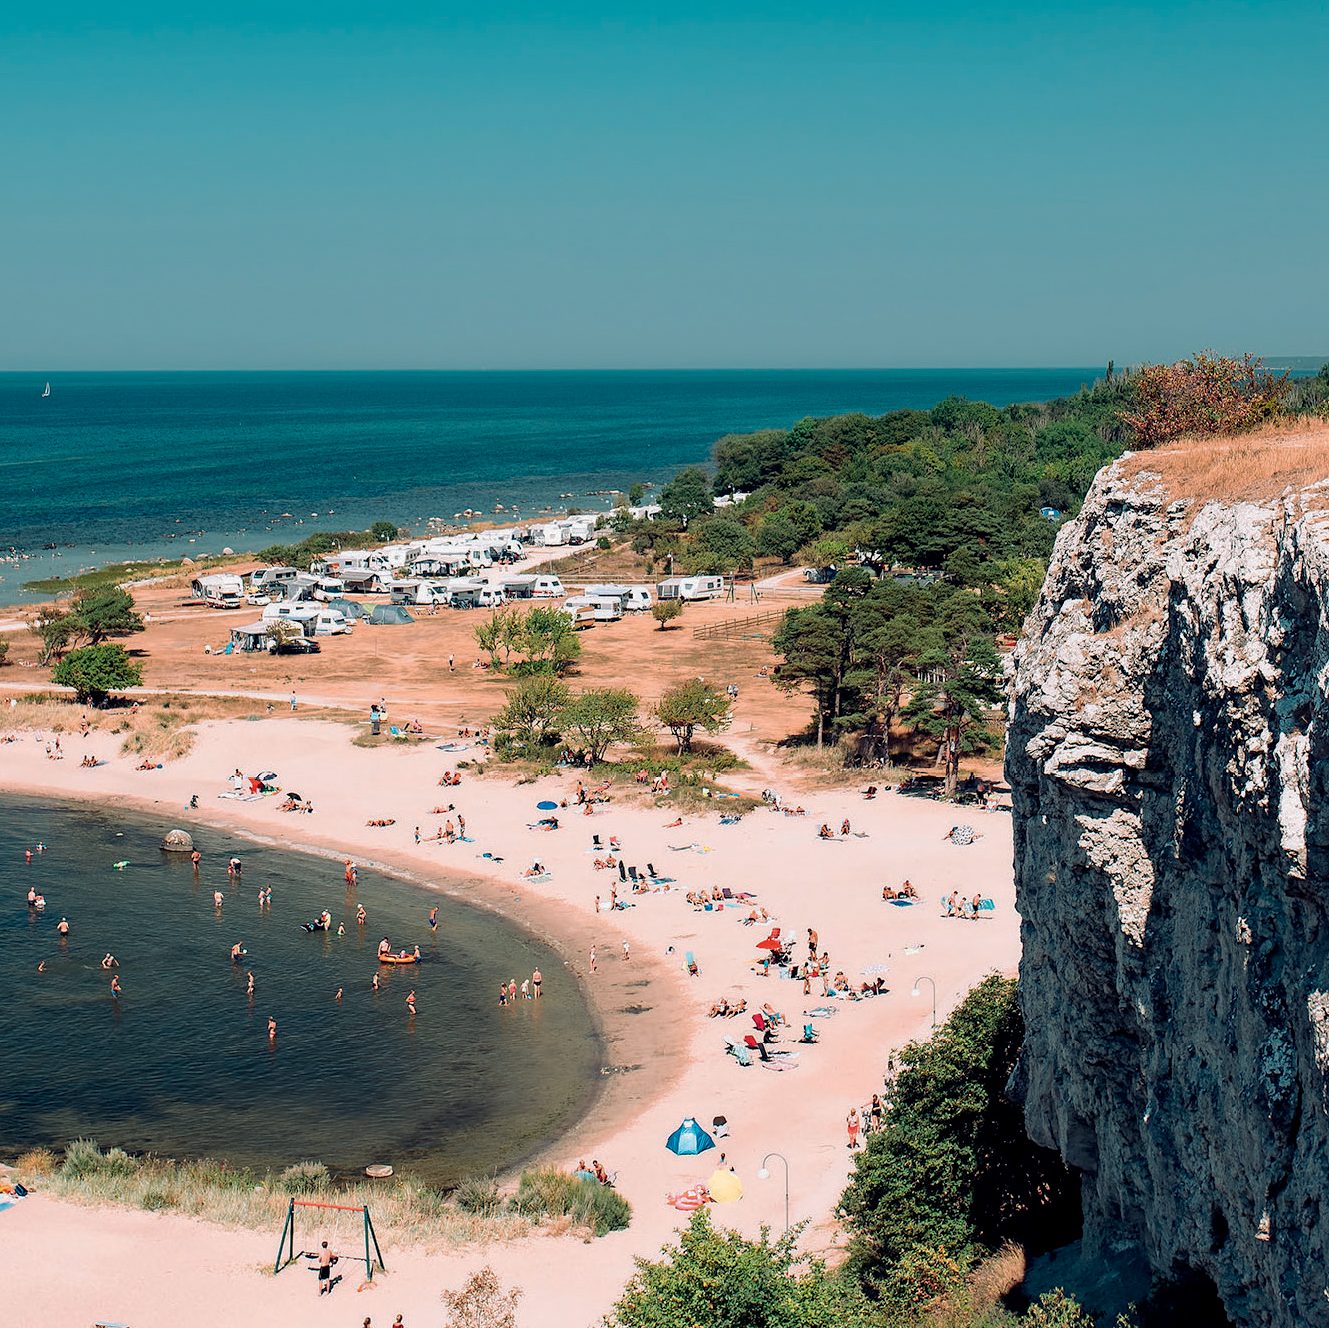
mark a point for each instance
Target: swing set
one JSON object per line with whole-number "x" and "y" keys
{"x": 286, "y": 1254}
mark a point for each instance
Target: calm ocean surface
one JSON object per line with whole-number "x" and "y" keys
{"x": 180, "y": 1065}
{"x": 117, "y": 466}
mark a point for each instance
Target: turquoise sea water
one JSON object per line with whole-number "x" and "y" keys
{"x": 111, "y": 467}
{"x": 180, "y": 1064}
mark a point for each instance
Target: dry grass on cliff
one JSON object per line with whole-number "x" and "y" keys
{"x": 1251, "y": 467}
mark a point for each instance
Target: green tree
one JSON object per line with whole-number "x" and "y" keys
{"x": 53, "y": 630}
{"x": 727, "y": 541}
{"x": 959, "y": 682}
{"x": 548, "y": 639}
{"x": 282, "y": 632}
{"x": 888, "y": 648}
{"x": 101, "y": 612}
{"x": 94, "y": 672}
{"x": 778, "y": 537}
{"x": 719, "y": 1279}
{"x": 637, "y": 494}
{"x": 530, "y": 716}
{"x": 952, "y": 1166}
{"x": 600, "y": 717}
{"x": 687, "y": 495}
{"x": 664, "y": 611}
{"x": 498, "y": 636}
{"x": 688, "y": 706}
{"x": 383, "y": 531}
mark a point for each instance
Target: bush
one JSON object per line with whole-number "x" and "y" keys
{"x": 722, "y": 1280}
{"x": 84, "y": 1159}
{"x": 4, "y": 650}
{"x": 664, "y": 611}
{"x": 304, "y": 1178}
{"x": 953, "y": 1167}
{"x": 477, "y": 1194}
{"x": 36, "y": 1162}
{"x": 1209, "y": 394}
{"x": 383, "y": 531}
{"x": 547, "y": 1192}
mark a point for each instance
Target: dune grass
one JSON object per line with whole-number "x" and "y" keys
{"x": 404, "y": 1210}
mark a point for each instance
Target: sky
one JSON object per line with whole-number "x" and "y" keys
{"x": 329, "y": 185}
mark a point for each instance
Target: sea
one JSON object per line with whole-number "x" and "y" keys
{"x": 116, "y": 467}
{"x": 180, "y": 1064}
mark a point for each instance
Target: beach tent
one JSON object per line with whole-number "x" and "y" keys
{"x": 689, "y": 1139}
{"x": 724, "y": 1186}
{"x": 389, "y": 615}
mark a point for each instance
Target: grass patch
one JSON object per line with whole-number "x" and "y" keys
{"x": 544, "y": 1193}
{"x": 404, "y": 1210}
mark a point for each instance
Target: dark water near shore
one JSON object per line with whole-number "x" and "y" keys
{"x": 180, "y": 1065}
{"x": 124, "y": 466}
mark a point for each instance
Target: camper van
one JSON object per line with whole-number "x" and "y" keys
{"x": 314, "y": 619}
{"x": 547, "y": 587}
{"x": 634, "y": 599}
{"x": 308, "y": 585}
{"x": 691, "y": 587}
{"x": 581, "y": 615}
{"x": 602, "y": 608}
{"x": 222, "y": 590}
{"x": 418, "y": 591}
{"x": 270, "y": 582}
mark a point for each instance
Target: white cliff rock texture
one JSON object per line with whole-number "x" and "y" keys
{"x": 1167, "y": 759}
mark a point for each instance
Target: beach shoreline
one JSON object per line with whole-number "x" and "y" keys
{"x": 657, "y": 1016}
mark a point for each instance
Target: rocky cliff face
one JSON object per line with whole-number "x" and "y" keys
{"x": 1167, "y": 756}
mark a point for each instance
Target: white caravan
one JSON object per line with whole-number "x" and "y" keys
{"x": 222, "y": 590}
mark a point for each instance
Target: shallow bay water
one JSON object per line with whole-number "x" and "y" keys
{"x": 180, "y": 1064}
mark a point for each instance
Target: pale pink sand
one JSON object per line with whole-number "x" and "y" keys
{"x": 68, "y": 1264}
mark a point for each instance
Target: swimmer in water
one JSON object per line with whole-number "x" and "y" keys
{"x": 341, "y": 929}
{"x": 41, "y": 968}
{"x": 272, "y": 1029}
{"x": 217, "y": 898}
{"x": 237, "y": 952}
{"x": 109, "y": 960}
{"x": 337, "y": 997}
{"x": 115, "y": 986}
{"x": 433, "y": 919}
{"x": 196, "y": 857}
{"x": 360, "y": 915}
{"x": 375, "y": 982}
{"x": 32, "y": 895}
{"x": 417, "y": 953}
{"x": 385, "y": 946}
{"x": 63, "y": 926}
{"x": 410, "y": 1002}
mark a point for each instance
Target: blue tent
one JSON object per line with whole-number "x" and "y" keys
{"x": 689, "y": 1139}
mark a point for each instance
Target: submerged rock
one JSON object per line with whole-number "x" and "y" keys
{"x": 178, "y": 841}
{"x": 1167, "y": 759}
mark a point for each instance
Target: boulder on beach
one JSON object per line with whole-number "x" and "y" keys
{"x": 178, "y": 841}
{"x": 186, "y": 562}
{"x": 228, "y": 551}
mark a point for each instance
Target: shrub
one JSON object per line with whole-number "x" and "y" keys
{"x": 303, "y": 1177}
{"x": 83, "y": 1158}
{"x": 1209, "y": 394}
{"x": 477, "y": 1194}
{"x": 482, "y": 1303}
{"x": 664, "y": 611}
{"x": 36, "y": 1162}
{"x": 691, "y": 705}
{"x": 546, "y": 1192}
{"x": 4, "y": 649}
{"x": 953, "y": 1167}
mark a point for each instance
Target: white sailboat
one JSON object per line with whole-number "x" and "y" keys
{"x": 47, "y": 393}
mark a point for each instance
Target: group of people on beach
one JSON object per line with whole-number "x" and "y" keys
{"x": 509, "y": 993}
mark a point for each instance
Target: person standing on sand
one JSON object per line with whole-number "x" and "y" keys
{"x": 326, "y": 1258}
{"x": 592, "y": 959}
{"x": 627, "y": 953}
{"x": 292, "y": 703}
{"x": 452, "y": 663}
{"x": 536, "y": 979}
{"x": 852, "y": 1125}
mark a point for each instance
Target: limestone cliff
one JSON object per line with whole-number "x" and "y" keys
{"x": 1167, "y": 760}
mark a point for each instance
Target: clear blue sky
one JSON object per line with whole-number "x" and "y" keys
{"x": 776, "y": 185}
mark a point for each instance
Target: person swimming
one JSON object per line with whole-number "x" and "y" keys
{"x": 237, "y": 952}
{"x": 249, "y": 983}
{"x": 115, "y": 986}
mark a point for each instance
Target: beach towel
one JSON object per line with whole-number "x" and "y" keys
{"x": 903, "y": 903}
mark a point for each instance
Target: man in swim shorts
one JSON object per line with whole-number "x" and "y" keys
{"x": 326, "y": 1258}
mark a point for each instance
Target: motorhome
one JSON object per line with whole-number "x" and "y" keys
{"x": 547, "y": 587}
{"x": 580, "y": 529}
{"x": 270, "y": 582}
{"x": 518, "y": 587}
{"x": 602, "y": 608}
{"x": 314, "y": 619}
{"x": 691, "y": 587}
{"x": 635, "y": 599}
{"x": 222, "y": 590}
{"x": 438, "y": 564}
{"x": 308, "y": 585}
{"x": 418, "y": 590}
{"x": 366, "y": 580}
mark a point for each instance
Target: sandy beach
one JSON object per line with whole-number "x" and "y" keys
{"x": 668, "y": 1052}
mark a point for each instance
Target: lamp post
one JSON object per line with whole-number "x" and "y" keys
{"x": 764, "y": 1174}
{"x": 916, "y": 992}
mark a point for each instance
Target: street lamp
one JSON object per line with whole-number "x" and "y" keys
{"x": 933, "y": 985}
{"x": 764, "y": 1174}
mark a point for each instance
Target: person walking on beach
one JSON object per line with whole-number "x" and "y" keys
{"x": 592, "y": 959}
{"x": 627, "y": 953}
{"x": 452, "y": 663}
{"x": 852, "y": 1125}
{"x": 292, "y": 703}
